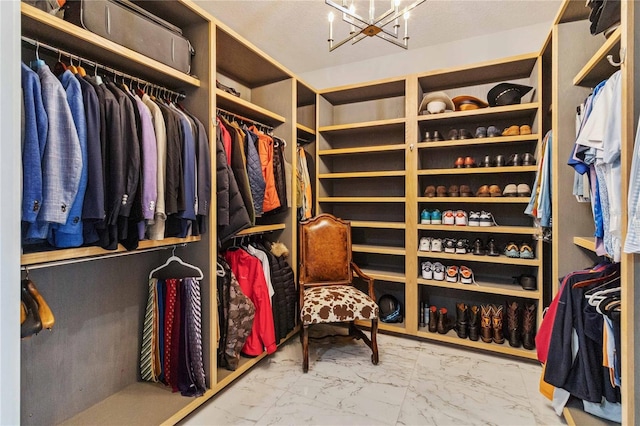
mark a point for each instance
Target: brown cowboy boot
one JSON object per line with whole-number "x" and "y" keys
{"x": 433, "y": 319}
{"x": 486, "y": 312}
{"x": 529, "y": 326}
{"x": 461, "y": 320}
{"x": 496, "y": 322}
{"x": 513, "y": 324}
{"x": 474, "y": 323}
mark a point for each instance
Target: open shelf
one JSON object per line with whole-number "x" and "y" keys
{"x": 307, "y": 131}
{"x": 362, "y": 150}
{"x": 502, "y": 259}
{"x": 380, "y": 225}
{"x": 598, "y": 68}
{"x": 375, "y": 174}
{"x": 364, "y": 92}
{"x": 385, "y": 275}
{"x": 261, "y": 229}
{"x": 478, "y": 141}
{"x": 477, "y": 170}
{"x": 361, "y": 199}
{"x": 507, "y": 112}
{"x": 492, "y": 200}
{"x": 238, "y": 105}
{"x": 504, "y": 289}
{"x": 377, "y": 249}
{"x": 588, "y": 243}
{"x": 352, "y": 128}
{"x": 522, "y": 230}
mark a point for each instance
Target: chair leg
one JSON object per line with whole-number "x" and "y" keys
{"x": 374, "y": 341}
{"x": 305, "y": 348}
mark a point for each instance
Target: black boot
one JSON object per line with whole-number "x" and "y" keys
{"x": 513, "y": 324}
{"x": 433, "y": 319}
{"x": 474, "y": 323}
{"x": 529, "y": 326}
{"x": 461, "y": 320}
{"x": 443, "y": 321}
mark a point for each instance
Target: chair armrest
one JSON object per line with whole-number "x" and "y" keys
{"x": 365, "y": 277}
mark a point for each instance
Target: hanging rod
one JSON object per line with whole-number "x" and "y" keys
{"x": 240, "y": 117}
{"x": 38, "y": 44}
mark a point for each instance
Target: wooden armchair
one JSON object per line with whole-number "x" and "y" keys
{"x": 327, "y": 293}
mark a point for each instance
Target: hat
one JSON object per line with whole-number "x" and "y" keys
{"x": 390, "y": 310}
{"x": 440, "y": 102}
{"x": 466, "y": 102}
{"x": 507, "y": 94}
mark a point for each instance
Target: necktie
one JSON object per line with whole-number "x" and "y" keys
{"x": 171, "y": 296}
{"x": 146, "y": 353}
{"x": 176, "y": 332}
{"x": 155, "y": 340}
{"x": 195, "y": 333}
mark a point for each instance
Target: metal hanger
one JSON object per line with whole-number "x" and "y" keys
{"x": 175, "y": 258}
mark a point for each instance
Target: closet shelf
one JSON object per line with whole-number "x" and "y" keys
{"x": 451, "y": 337}
{"x": 377, "y": 249}
{"x": 505, "y": 289}
{"x": 362, "y": 150}
{"x": 507, "y": 112}
{"x": 478, "y": 170}
{"x": 240, "y": 106}
{"x": 588, "y": 243}
{"x": 375, "y": 224}
{"x": 361, "y": 199}
{"x": 382, "y": 89}
{"x": 385, "y": 275}
{"x": 375, "y": 174}
{"x": 502, "y": 259}
{"x": 261, "y": 229}
{"x": 44, "y": 27}
{"x": 479, "y": 200}
{"x": 352, "y": 128}
{"x": 308, "y": 131}
{"x": 479, "y": 141}
{"x": 521, "y": 230}
{"x": 82, "y": 253}
{"x": 598, "y": 68}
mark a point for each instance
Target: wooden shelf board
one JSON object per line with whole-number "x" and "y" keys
{"x": 384, "y": 275}
{"x": 598, "y": 68}
{"x": 502, "y": 259}
{"x": 504, "y": 289}
{"x": 54, "y": 31}
{"x": 479, "y": 141}
{"x": 306, "y": 130}
{"x": 260, "y": 229}
{"x": 305, "y": 94}
{"x": 478, "y": 170}
{"x": 588, "y": 243}
{"x": 362, "y": 150}
{"x": 381, "y": 89}
{"x": 91, "y": 252}
{"x": 368, "y": 248}
{"x": 452, "y": 338}
{"x": 500, "y": 112}
{"x": 572, "y": 10}
{"x": 364, "y": 125}
{"x": 361, "y": 199}
{"x": 382, "y": 225}
{"x": 397, "y": 327}
{"x": 376, "y": 174}
{"x": 522, "y": 230}
{"x": 492, "y": 200}
{"x": 240, "y": 106}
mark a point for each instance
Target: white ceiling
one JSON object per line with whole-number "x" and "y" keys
{"x": 295, "y": 32}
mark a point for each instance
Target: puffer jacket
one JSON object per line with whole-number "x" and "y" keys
{"x": 254, "y": 170}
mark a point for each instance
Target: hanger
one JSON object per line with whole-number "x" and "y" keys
{"x": 59, "y": 68}
{"x": 38, "y": 63}
{"x": 81, "y": 70}
{"x": 220, "y": 270}
{"x": 605, "y": 285}
{"x": 175, "y": 258}
{"x": 72, "y": 67}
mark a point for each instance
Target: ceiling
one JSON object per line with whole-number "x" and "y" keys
{"x": 295, "y": 32}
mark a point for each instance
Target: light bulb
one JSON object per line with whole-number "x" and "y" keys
{"x": 406, "y": 16}
{"x": 330, "y": 16}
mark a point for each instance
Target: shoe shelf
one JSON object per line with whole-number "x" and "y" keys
{"x": 377, "y": 249}
{"x": 502, "y": 259}
{"x": 354, "y": 128}
{"x": 477, "y": 170}
{"x": 362, "y": 150}
{"x": 240, "y": 106}
{"x": 377, "y": 224}
{"x": 452, "y": 337}
{"x": 508, "y": 112}
{"x": 479, "y": 141}
{"x": 492, "y": 200}
{"x": 522, "y": 230}
{"x": 373, "y": 174}
{"x": 598, "y": 68}
{"x": 385, "y": 275}
{"x": 361, "y": 199}
{"x": 261, "y": 229}
{"x": 505, "y": 289}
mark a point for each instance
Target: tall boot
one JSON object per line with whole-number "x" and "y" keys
{"x": 474, "y": 323}
{"x": 443, "y": 321}
{"x": 496, "y": 321}
{"x": 461, "y": 320}
{"x": 513, "y": 324}
{"x": 529, "y": 326}
{"x": 486, "y": 313}
{"x": 433, "y": 319}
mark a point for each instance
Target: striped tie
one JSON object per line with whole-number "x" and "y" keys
{"x": 194, "y": 318}
{"x": 146, "y": 353}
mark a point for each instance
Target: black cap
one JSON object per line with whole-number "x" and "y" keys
{"x": 507, "y": 94}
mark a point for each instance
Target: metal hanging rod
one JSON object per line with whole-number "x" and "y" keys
{"x": 248, "y": 120}
{"x": 96, "y": 65}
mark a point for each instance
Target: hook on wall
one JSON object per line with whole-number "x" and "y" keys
{"x": 623, "y": 52}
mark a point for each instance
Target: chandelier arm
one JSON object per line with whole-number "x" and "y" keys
{"x": 346, "y": 40}
{"x": 396, "y": 42}
{"x": 346, "y": 11}
{"x": 402, "y": 12}
{"x": 384, "y": 15}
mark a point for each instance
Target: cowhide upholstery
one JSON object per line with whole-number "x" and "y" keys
{"x": 337, "y": 303}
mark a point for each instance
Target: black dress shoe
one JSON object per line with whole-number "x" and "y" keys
{"x": 427, "y": 137}
{"x": 514, "y": 160}
{"x": 499, "y": 161}
{"x": 478, "y": 247}
{"x": 486, "y": 162}
{"x": 452, "y": 135}
{"x": 464, "y": 134}
{"x": 436, "y": 136}
{"x": 528, "y": 160}
{"x": 492, "y": 248}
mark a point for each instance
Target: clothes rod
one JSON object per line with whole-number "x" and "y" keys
{"x": 96, "y": 65}
{"x": 248, "y": 120}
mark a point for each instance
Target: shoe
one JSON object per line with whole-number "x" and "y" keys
{"x": 453, "y": 191}
{"x": 474, "y": 219}
{"x": 514, "y": 331}
{"x": 459, "y": 163}
{"x": 430, "y": 191}
{"x": 499, "y": 161}
{"x": 427, "y": 137}
{"x": 443, "y": 321}
{"x": 526, "y": 252}
{"x": 427, "y": 270}
{"x": 481, "y": 132}
{"x": 436, "y": 245}
{"x": 469, "y": 162}
{"x": 438, "y": 271}
{"x": 464, "y": 134}
{"x": 496, "y": 322}
{"x": 449, "y": 245}
{"x": 478, "y": 248}
{"x": 452, "y": 135}
{"x": 433, "y": 319}
{"x": 473, "y": 315}
{"x": 448, "y": 218}
{"x": 23, "y": 312}
{"x": 436, "y": 217}
{"x": 465, "y": 191}
{"x": 512, "y": 250}
{"x": 452, "y": 274}
{"x": 510, "y": 190}
{"x": 46, "y": 316}
{"x": 492, "y": 132}
{"x": 486, "y": 313}
{"x": 486, "y": 219}
{"x": 466, "y": 275}
{"x": 492, "y": 248}
{"x": 483, "y": 191}
{"x": 486, "y": 162}
{"x": 461, "y": 218}
{"x": 525, "y": 129}
{"x": 227, "y": 89}
{"x": 529, "y": 326}
{"x": 528, "y": 282}
{"x": 462, "y": 323}
{"x": 436, "y": 137}
{"x": 523, "y": 190}
{"x": 425, "y": 217}
{"x": 514, "y": 160}
{"x": 511, "y": 131}
{"x": 441, "y": 191}
{"x": 425, "y": 244}
{"x": 462, "y": 246}
{"x": 495, "y": 191}
{"x": 32, "y": 323}
{"x": 528, "y": 159}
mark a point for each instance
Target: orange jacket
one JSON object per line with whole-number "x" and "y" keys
{"x": 265, "y": 150}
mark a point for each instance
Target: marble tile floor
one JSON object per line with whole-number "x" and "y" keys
{"x": 415, "y": 383}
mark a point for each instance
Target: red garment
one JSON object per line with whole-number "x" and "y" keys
{"x": 170, "y": 329}
{"x": 226, "y": 140}
{"x": 250, "y": 275}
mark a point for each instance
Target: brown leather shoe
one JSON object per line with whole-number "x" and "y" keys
{"x": 430, "y": 191}
{"x": 496, "y": 323}
{"x": 465, "y": 191}
{"x": 486, "y": 333}
{"x": 46, "y": 316}
{"x": 459, "y": 163}
{"x": 511, "y": 131}
{"x": 441, "y": 191}
{"x": 483, "y": 191}
{"x": 469, "y": 162}
{"x": 525, "y": 129}
{"x": 495, "y": 191}
{"x": 454, "y": 191}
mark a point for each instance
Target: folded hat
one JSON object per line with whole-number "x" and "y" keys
{"x": 466, "y": 102}
{"x": 507, "y": 94}
{"x": 440, "y": 102}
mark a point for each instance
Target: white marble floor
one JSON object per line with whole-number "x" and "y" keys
{"x": 415, "y": 383}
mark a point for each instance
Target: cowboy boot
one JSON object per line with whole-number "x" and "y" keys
{"x": 433, "y": 319}
{"x": 486, "y": 312}
{"x": 461, "y": 320}
{"x": 529, "y": 326}
{"x": 443, "y": 326}
{"x": 513, "y": 324}
{"x": 474, "y": 323}
{"x": 496, "y": 322}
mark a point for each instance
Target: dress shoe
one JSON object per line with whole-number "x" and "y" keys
{"x": 32, "y": 324}
{"x": 486, "y": 332}
{"x": 478, "y": 248}
{"x": 495, "y": 191}
{"x": 492, "y": 132}
{"x": 436, "y": 136}
{"x": 443, "y": 321}
{"x": 464, "y": 134}
{"x": 46, "y": 316}
{"x": 510, "y": 190}
{"x": 514, "y": 160}
{"x": 499, "y": 161}
{"x": 492, "y": 248}
{"x": 465, "y": 191}
{"x": 528, "y": 159}
{"x": 523, "y": 190}
{"x": 430, "y": 191}
{"x": 481, "y": 132}
{"x": 459, "y": 163}
{"x": 514, "y": 324}
{"x": 427, "y": 137}
{"x": 441, "y": 191}
{"x": 529, "y": 326}
{"x": 496, "y": 324}
{"x": 433, "y": 319}
{"x": 462, "y": 323}
{"x": 454, "y": 191}
{"x": 525, "y": 129}
{"x": 483, "y": 191}
{"x": 527, "y": 282}
{"x": 486, "y": 162}
{"x": 23, "y": 312}
{"x": 474, "y": 322}
{"x": 511, "y": 131}
{"x": 469, "y": 162}
{"x": 453, "y": 135}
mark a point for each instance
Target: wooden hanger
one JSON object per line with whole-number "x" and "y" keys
{"x": 175, "y": 258}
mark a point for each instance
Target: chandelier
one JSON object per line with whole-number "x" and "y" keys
{"x": 362, "y": 27}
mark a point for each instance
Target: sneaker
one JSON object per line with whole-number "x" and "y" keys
{"x": 449, "y": 245}
{"x": 436, "y": 217}
{"x": 425, "y": 244}
{"x": 436, "y": 245}
{"x": 427, "y": 270}
{"x": 466, "y": 275}
{"x": 462, "y": 246}
{"x": 448, "y": 218}
{"x": 512, "y": 250}
{"x": 474, "y": 219}
{"x": 486, "y": 219}
{"x": 438, "y": 271}
{"x": 425, "y": 217}
{"x": 452, "y": 274}
{"x": 461, "y": 218}
{"x": 526, "y": 252}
